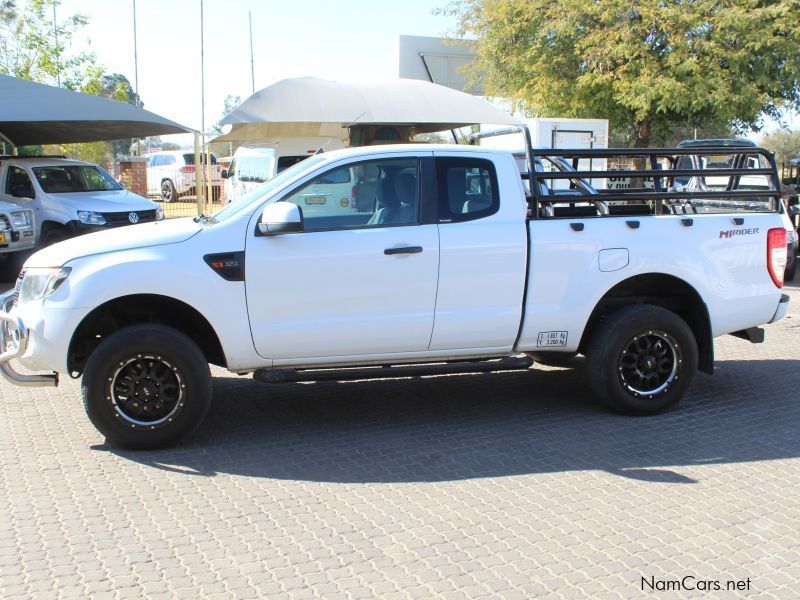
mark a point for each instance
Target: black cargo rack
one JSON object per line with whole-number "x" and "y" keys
{"x": 665, "y": 197}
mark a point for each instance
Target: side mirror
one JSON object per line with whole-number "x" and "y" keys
{"x": 793, "y": 210}
{"x": 224, "y": 173}
{"x": 22, "y": 191}
{"x": 280, "y": 217}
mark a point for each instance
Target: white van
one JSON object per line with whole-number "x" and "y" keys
{"x": 252, "y": 166}
{"x": 249, "y": 168}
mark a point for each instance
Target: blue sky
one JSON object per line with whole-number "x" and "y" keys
{"x": 341, "y": 39}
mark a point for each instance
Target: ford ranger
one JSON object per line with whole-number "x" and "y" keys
{"x": 464, "y": 263}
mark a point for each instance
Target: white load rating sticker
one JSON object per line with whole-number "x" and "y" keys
{"x": 552, "y": 338}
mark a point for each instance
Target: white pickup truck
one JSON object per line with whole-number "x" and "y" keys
{"x": 453, "y": 269}
{"x": 17, "y": 238}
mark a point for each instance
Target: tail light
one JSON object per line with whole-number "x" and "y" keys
{"x": 776, "y": 255}
{"x": 187, "y": 169}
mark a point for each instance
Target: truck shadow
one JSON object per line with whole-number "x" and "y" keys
{"x": 471, "y": 426}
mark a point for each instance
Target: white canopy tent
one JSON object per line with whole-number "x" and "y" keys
{"x": 310, "y": 106}
{"x": 34, "y": 113}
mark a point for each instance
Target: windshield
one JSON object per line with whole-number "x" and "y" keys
{"x": 267, "y": 187}
{"x": 74, "y": 178}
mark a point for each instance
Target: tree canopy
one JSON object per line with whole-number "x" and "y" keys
{"x": 34, "y": 46}
{"x": 649, "y": 65}
{"x": 785, "y": 144}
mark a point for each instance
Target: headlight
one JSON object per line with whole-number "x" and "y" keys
{"x": 159, "y": 214}
{"x": 21, "y": 219}
{"x": 40, "y": 282}
{"x": 91, "y": 218}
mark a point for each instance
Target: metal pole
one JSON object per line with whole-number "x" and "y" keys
{"x": 209, "y": 173}
{"x": 135, "y": 55}
{"x": 198, "y": 159}
{"x": 58, "y": 54}
{"x": 198, "y": 173}
{"x": 202, "y": 76}
{"x": 252, "y": 67}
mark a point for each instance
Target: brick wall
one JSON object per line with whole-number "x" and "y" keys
{"x": 132, "y": 173}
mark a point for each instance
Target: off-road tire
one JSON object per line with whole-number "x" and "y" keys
{"x": 641, "y": 359}
{"x": 146, "y": 366}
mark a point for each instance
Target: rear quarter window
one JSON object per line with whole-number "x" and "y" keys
{"x": 467, "y": 189}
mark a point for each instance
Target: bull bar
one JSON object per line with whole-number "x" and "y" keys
{"x": 14, "y": 336}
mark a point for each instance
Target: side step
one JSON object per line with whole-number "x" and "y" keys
{"x": 509, "y": 363}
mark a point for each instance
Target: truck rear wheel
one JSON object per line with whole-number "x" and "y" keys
{"x": 146, "y": 386}
{"x": 641, "y": 359}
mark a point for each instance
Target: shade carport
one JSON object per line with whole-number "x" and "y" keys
{"x": 34, "y": 113}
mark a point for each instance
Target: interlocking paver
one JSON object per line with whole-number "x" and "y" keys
{"x": 511, "y": 485}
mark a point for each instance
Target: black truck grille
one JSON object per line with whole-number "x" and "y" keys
{"x": 123, "y": 218}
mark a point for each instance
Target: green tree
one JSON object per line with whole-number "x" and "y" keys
{"x": 648, "y": 66}
{"x": 785, "y": 144}
{"x": 117, "y": 87}
{"x": 33, "y": 47}
{"x": 225, "y": 148}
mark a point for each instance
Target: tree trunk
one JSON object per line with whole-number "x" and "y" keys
{"x": 642, "y": 134}
{"x": 642, "y": 141}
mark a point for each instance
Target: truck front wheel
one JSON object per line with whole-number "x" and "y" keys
{"x": 641, "y": 359}
{"x": 146, "y": 386}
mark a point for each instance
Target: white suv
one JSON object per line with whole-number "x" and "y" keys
{"x": 71, "y": 197}
{"x": 170, "y": 175}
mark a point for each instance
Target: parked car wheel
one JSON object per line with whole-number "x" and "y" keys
{"x": 12, "y": 263}
{"x": 168, "y": 191}
{"x": 641, "y": 359}
{"x": 53, "y": 236}
{"x": 146, "y": 386}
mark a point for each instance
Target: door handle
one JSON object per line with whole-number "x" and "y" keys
{"x": 403, "y": 250}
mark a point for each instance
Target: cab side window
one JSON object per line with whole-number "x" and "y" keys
{"x": 467, "y": 189}
{"x": 18, "y": 178}
{"x": 379, "y": 193}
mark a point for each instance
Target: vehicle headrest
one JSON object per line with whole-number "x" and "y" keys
{"x": 456, "y": 189}
{"x": 405, "y": 185}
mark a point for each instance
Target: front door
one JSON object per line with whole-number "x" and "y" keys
{"x": 359, "y": 280}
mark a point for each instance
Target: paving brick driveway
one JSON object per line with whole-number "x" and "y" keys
{"x": 502, "y": 485}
